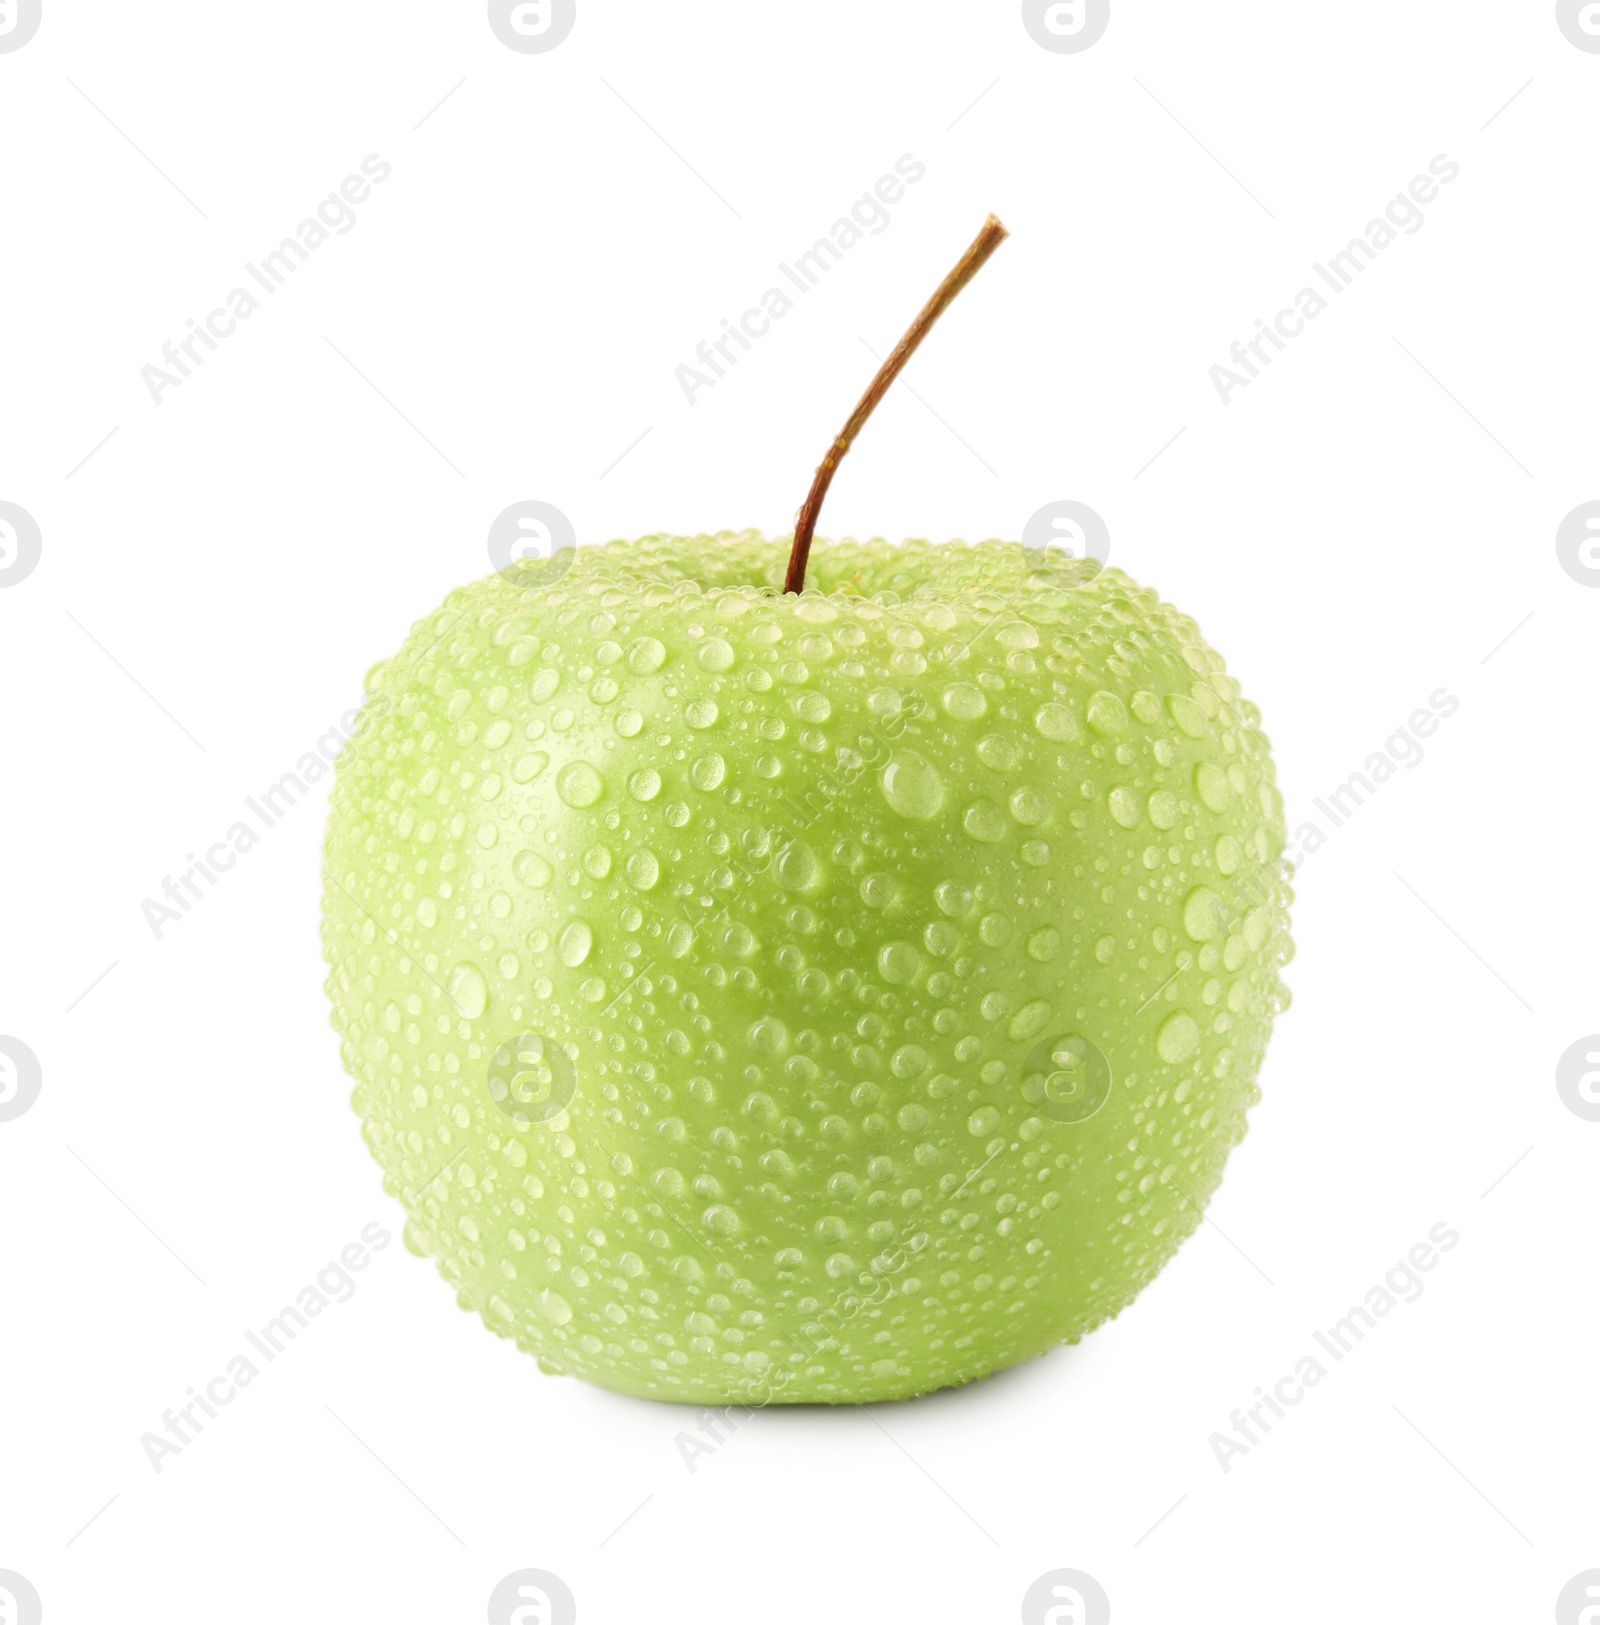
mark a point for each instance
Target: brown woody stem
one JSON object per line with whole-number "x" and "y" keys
{"x": 967, "y": 267}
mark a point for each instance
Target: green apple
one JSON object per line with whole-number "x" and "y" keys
{"x": 829, "y": 996}
{"x": 770, "y": 986}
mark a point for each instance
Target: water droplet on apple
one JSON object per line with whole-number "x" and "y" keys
{"x": 1178, "y": 1038}
{"x": 964, "y": 702}
{"x": 579, "y": 785}
{"x": 768, "y": 1036}
{"x": 799, "y": 868}
{"x": 1211, "y": 785}
{"x": 1056, "y": 722}
{"x": 995, "y": 929}
{"x": 1126, "y": 806}
{"x": 1205, "y": 915}
{"x": 551, "y": 1306}
{"x": 953, "y": 898}
{"x": 908, "y": 1062}
{"x": 468, "y": 990}
{"x": 898, "y": 962}
{"x": 1029, "y": 1021}
{"x": 997, "y": 752}
{"x": 984, "y": 821}
{"x": 531, "y": 870}
{"x": 1107, "y": 713}
{"x": 912, "y": 786}
{"x": 643, "y": 868}
{"x": 708, "y": 771}
{"x": 573, "y": 946}
{"x": 1188, "y": 716}
{"x": 646, "y": 655}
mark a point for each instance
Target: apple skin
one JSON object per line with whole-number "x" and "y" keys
{"x": 829, "y": 997}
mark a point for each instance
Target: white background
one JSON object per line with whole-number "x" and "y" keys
{"x": 1368, "y": 522}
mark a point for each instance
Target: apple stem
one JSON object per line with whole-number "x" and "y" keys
{"x": 967, "y": 267}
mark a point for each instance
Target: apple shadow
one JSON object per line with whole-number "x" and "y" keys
{"x": 995, "y": 1388}
{"x": 999, "y": 1387}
